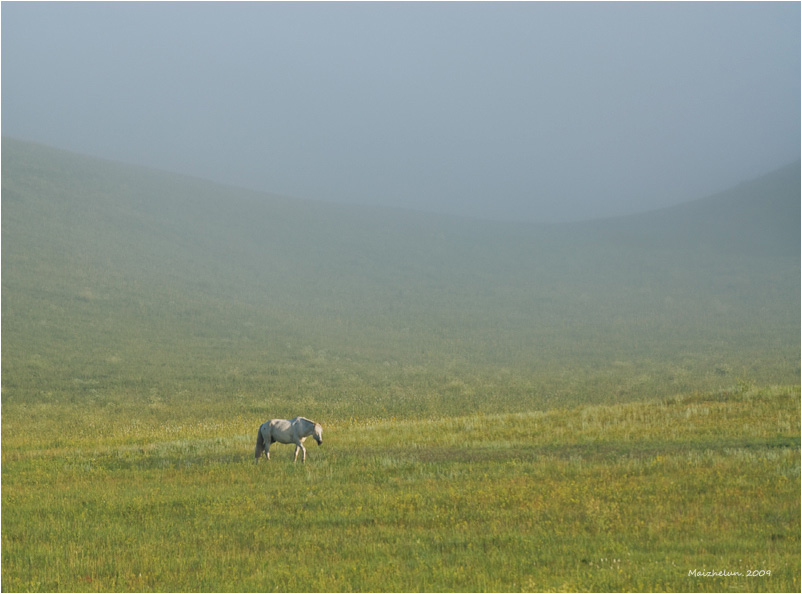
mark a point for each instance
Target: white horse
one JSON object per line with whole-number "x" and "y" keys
{"x": 287, "y": 431}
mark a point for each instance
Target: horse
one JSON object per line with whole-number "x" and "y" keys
{"x": 287, "y": 431}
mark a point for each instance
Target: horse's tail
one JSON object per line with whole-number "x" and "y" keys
{"x": 260, "y": 444}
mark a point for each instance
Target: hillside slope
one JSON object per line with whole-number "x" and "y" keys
{"x": 119, "y": 282}
{"x": 758, "y": 218}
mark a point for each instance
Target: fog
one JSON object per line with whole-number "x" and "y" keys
{"x": 522, "y": 111}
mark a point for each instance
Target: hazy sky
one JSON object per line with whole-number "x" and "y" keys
{"x": 538, "y": 111}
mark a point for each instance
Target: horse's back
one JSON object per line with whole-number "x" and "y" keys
{"x": 280, "y": 424}
{"x": 278, "y": 430}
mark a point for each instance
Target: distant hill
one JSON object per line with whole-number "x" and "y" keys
{"x": 757, "y": 218}
{"x": 119, "y": 279}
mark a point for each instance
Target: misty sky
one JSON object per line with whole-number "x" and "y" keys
{"x": 531, "y": 111}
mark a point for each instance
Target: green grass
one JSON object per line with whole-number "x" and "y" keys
{"x": 506, "y": 407}
{"x": 627, "y": 497}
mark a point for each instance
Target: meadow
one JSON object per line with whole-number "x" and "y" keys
{"x": 628, "y": 497}
{"x": 604, "y": 406}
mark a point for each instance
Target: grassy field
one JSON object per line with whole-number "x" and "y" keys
{"x": 628, "y": 497}
{"x": 605, "y": 406}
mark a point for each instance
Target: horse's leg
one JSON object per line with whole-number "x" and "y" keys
{"x": 268, "y": 443}
{"x": 299, "y": 446}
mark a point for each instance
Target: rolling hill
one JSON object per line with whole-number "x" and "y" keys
{"x": 127, "y": 285}
{"x": 756, "y": 219}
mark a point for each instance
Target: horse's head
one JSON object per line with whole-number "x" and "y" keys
{"x": 318, "y": 434}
